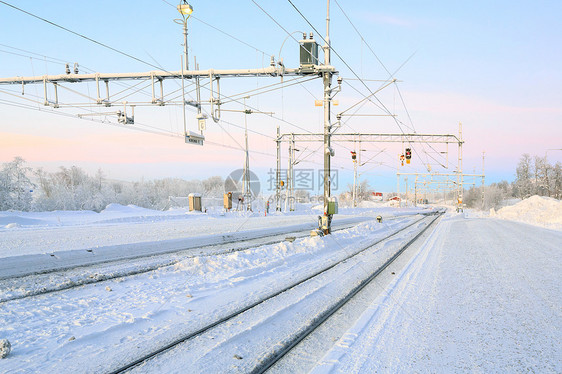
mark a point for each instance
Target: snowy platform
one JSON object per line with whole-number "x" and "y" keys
{"x": 482, "y": 295}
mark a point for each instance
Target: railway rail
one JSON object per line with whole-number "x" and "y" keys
{"x": 279, "y": 350}
{"x": 53, "y": 280}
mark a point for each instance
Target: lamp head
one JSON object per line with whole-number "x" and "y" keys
{"x": 185, "y": 9}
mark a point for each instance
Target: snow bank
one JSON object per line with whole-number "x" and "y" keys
{"x": 536, "y": 210}
{"x": 129, "y": 209}
{"x": 11, "y": 221}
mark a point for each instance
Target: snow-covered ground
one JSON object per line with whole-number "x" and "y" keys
{"x": 94, "y": 327}
{"x": 23, "y": 233}
{"x": 480, "y": 295}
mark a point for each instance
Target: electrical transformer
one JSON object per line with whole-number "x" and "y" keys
{"x": 308, "y": 53}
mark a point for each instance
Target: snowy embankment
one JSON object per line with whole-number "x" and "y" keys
{"x": 535, "y": 210}
{"x": 26, "y": 233}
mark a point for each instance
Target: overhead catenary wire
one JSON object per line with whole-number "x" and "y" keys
{"x": 145, "y": 61}
{"x": 363, "y": 39}
{"x": 222, "y": 31}
{"x": 115, "y": 50}
{"x": 78, "y": 34}
{"x": 128, "y": 55}
{"x": 130, "y": 128}
{"x": 352, "y": 70}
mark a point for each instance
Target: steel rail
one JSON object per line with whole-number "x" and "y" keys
{"x": 272, "y": 359}
{"x": 224, "y": 248}
{"x": 224, "y": 319}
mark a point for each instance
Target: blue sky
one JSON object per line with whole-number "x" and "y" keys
{"x": 494, "y": 66}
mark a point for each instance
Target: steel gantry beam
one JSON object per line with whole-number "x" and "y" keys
{"x": 376, "y": 138}
{"x": 364, "y": 137}
{"x": 270, "y": 71}
{"x": 309, "y": 66}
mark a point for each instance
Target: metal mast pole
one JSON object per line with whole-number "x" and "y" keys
{"x": 185, "y": 10}
{"x": 483, "y": 156}
{"x": 183, "y": 100}
{"x": 355, "y": 183}
{"x": 416, "y": 192}
{"x": 459, "y": 171}
{"x": 185, "y": 44}
{"x": 398, "y": 182}
{"x": 278, "y": 173}
{"x": 247, "y": 193}
{"x": 354, "y": 192}
{"x": 327, "y": 78}
{"x": 359, "y": 190}
{"x": 289, "y": 176}
{"x": 461, "y": 188}
{"x": 292, "y": 184}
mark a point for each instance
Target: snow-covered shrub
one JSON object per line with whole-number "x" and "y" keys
{"x": 5, "y": 348}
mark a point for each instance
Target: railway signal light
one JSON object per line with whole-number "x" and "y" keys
{"x": 408, "y": 153}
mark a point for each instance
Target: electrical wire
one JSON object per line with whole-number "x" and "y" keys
{"x": 147, "y": 63}
{"x": 111, "y": 48}
{"x": 363, "y": 39}
{"x": 78, "y": 34}
{"x": 161, "y": 133}
{"x": 351, "y": 69}
{"x": 221, "y": 31}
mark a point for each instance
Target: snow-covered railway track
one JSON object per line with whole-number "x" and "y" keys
{"x": 52, "y": 280}
{"x": 273, "y": 350}
{"x": 280, "y": 352}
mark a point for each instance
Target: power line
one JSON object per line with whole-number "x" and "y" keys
{"x": 347, "y": 65}
{"x": 274, "y": 20}
{"x": 222, "y": 31}
{"x": 390, "y": 74}
{"x": 131, "y": 128}
{"x": 77, "y": 34}
{"x": 111, "y": 48}
{"x": 363, "y": 39}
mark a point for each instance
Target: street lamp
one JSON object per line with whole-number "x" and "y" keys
{"x": 185, "y": 9}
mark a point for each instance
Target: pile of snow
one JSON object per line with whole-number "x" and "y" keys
{"x": 536, "y": 210}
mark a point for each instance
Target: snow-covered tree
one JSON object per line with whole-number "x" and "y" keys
{"x": 523, "y": 184}
{"x": 494, "y": 195}
{"x": 556, "y": 180}
{"x": 542, "y": 170}
{"x": 213, "y": 186}
{"x": 15, "y": 186}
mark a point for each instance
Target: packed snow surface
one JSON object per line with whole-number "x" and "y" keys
{"x": 95, "y": 327}
{"x": 481, "y": 295}
{"x": 535, "y": 210}
{"x": 25, "y": 233}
